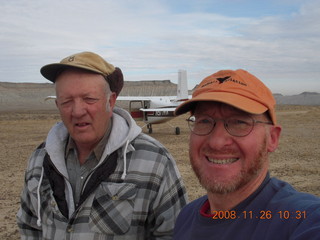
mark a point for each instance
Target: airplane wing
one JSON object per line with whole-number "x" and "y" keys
{"x": 144, "y": 98}
{"x": 50, "y": 97}
{"x": 124, "y": 98}
{"x": 171, "y": 109}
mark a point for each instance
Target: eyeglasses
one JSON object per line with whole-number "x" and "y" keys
{"x": 238, "y": 126}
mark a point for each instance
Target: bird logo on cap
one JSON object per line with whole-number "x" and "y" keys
{"x": 221, "y": 80}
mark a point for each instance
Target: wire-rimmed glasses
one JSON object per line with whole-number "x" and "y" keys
{"x": 238, "y": 126}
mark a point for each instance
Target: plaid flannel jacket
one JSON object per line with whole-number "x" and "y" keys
{"x": 142, "y": 206}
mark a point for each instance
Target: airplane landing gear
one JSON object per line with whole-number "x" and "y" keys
{"x": 176, "y": 129}
{"x": 149, "y": 127}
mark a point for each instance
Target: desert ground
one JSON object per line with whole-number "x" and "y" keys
{"x": 296, "y": 160}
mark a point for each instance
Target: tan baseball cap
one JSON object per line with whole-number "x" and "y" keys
{"x": 237, "y": 88}
{"x": 88, "y": 61}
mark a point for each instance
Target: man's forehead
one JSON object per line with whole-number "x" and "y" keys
{"x": 70, "y": 71}
{"x": 86, "y": 77}
{"x": 86, "y": 84}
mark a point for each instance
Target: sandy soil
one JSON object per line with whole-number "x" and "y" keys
{"x": 296, "y": 160}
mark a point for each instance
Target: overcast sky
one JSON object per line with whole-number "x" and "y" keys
{"x": 276, "y": 40}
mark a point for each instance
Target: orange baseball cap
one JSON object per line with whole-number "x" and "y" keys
{"x": 237, "y": 88}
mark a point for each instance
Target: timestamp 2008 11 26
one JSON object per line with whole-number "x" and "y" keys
{"x": 262, "y": 214}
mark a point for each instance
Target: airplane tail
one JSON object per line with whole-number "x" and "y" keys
{"x": 182, "y": 89}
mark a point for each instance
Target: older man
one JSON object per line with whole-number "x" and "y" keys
{"x": 97, "y": 176}
{"x": 233, "y": 130}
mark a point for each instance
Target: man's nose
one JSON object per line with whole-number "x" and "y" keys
{"x": 78, "y": 108}
{"x": 219, "y": 136}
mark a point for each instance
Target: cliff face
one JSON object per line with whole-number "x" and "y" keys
{"x": 305, "y": 98}
{"x": 25, "y": 96}
{"x": 30, "y": 96}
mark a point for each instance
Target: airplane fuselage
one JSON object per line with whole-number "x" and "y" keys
{"x": 157, "y": 109}
{"x": 156, "y": 117}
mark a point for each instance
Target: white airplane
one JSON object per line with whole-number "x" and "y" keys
{"x": 158, "y": 109}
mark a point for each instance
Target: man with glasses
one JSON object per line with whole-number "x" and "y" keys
{"x": 233, "y": 129}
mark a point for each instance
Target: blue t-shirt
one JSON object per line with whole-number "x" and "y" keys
{"x": 275, "y": 211}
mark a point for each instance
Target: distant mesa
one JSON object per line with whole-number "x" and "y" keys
{"x": 305, "y": 98}
{"x": 309, "y": 93}
{"x": 30, "y": 96}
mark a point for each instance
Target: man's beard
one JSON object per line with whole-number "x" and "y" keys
{"x": 213, "y": 185}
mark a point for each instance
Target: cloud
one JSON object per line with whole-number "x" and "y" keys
{"x": 153, "y": 39}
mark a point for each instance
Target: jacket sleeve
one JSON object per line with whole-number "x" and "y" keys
{"x": 171, "y": 198}
{"x": 27, "y": 214}
{"x": 26, "y": 217}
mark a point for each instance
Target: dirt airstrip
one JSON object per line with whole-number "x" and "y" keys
{"x": 296, "y": 160}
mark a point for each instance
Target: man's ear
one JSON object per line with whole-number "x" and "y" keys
{"x": 274, "y": 136}
{"x": 111, "y": 102}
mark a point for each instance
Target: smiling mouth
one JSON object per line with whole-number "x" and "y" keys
{"x": 222, "y": 161}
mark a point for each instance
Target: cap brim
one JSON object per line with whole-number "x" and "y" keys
{"x": 51, "y": 71}
{"x": 235, "y": 100}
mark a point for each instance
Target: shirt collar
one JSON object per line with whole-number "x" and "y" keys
{"x": 97, "y": 151}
